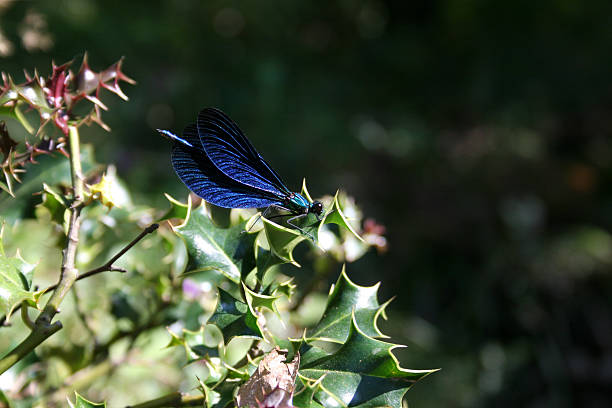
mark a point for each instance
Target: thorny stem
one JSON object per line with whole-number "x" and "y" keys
{"x": 43, "y": 326}
{"x": 69, "y": 273}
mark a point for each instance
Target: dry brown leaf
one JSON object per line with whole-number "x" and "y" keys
{"x": 272, "y": 384}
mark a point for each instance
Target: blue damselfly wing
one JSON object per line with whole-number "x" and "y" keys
{"x": 217, "y": 162}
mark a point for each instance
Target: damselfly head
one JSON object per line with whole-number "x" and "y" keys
{"x": 316, "y": 208}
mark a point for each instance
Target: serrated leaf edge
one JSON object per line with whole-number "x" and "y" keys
{"x": 355, "y": 327}
{"x": 336, "y": 206}
{"x": 291, "y": 245}
{"x": 379, "y": 312}
{"x": 177, "y": 229}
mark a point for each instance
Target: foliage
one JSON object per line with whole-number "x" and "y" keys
{"x": 224, "y": 283}
{"x": 15, "y": 281}
{"x": 483, "y": 149}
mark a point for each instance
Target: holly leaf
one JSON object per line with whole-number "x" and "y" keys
{"x": 83, "y": 403}
{"x": 111, "y": 191}
{"x": 216, "y": 253}
{"x": 198, "y": 344}
{"x": 286, "y": 288}
{"x": 264, "y": 257}
{"x": 282, "y": 240}
{"x": 15, "y": 282}
{"x": 177, "y": 209}
{"x": 220, "y": 216}
{"x": 335, "y": 215}
{"x": 363, "y": 372}
{"x": 345, "y": 299}
{"x": 218, "y": 396}
{"x": 235, "y": 318}
{"x": 55, "y": 203}
{"x": 304, "y": 397}
{"x": 256, "y": 300}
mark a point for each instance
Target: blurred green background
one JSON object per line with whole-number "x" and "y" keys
{"x": 477, "y": 132}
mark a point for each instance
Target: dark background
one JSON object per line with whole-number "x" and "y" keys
{"x": 477, "y": 131}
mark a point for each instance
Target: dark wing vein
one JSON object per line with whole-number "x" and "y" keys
{"x": 202, "y": 177}
{"x": 234, "y": 155}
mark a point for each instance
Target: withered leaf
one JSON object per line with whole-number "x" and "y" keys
{"x": 272, "y": 384}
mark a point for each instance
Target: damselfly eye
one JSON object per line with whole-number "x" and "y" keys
{"x": 316, "y": 208}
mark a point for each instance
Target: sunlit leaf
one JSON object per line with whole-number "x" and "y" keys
{"x": 264, "y": 257}
{"x": 111, "y": 191}
{"x": 256, "y": 300}
{"x": 363, "y": 372}
{"x": 335, "y": 215}
{"x": 345, "y": 299}
{"x": 235, "y": 318}
{"x": 15, "y": 282}
{"x": 55, "y": 204}
{"x": 83, "y": 403}
{"x": 204, "y": 342}
{"x": 276, "y": 288}
{"x": 220, "y": 252}
{"x": 282, "y": 240}
{"x": 177, "y": 209}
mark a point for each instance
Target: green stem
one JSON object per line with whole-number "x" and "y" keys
{"x": 23, "y": 120}
{"x": 175, "y": 399}
{"x": 108, "y": 266}
{"x": 25, "y": 316}
{"x": 43, "y": 326}
{"x": 69, "y": 273}
{"x": 37, "y": 336}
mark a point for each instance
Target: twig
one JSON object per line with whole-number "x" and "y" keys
{"x": 108, "y": 266}
{"x": 175, "y": 399}
{"x": 43, "y": 326}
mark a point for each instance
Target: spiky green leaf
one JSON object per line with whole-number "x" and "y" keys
{"x": 264, "y": 257}
{"x": 177, "y": 209}
{"x": 235, "y": 318}
{"x": 335, "y": 215}
{"x": 83, "y": 403}
{"x": 198, "y": 344}
{"x": 282, "y": 240}
{"x": 256, "y": 300}
{"x": 15, "y": 282}
{"x": 363, "y": 372}
{"x": 216, "y": 253}
{"x": 345, "y": 299}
